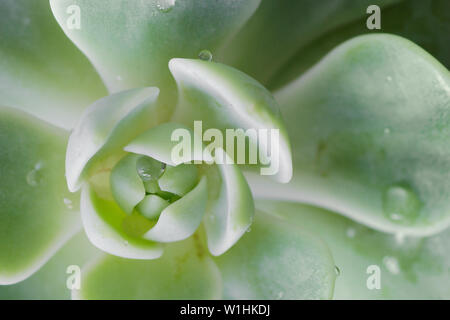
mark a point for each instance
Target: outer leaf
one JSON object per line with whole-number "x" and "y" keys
{"x": 225, "y": 98}
{"x": 278, "y": 29}
{"x": 370, "y": 126}
{"x": 411, "y": 268}
{"x": 185, "y": 271}
{"x": 51, "y": 281}
{"x": 424, "y": 22}
{"x": 107, "y": 126}
{"x": 131, "y": 42}
{"x": 276, "y": 260}
{"x": 102, "y": 220}
{"x": 42, "y": 72}
{"x": 37, "y": 213}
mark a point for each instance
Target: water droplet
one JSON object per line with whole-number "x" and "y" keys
{"x": 391, "y": 263}
{"x": 165, "y": 5}
{"x": 149, "y": 168}
{"x": 337, "y": 271}
{"x": 68, "y": 203}
{"x": 249, "y": 229}
{"x": 351, "y": 232}
{"x": 401, "y": 204}
{"x": 125, "y": 243}
{"x": 389, "y": 78}
{"x": 205, "y": 55}
{"x": 280, "y": 295}
{"x": 387, "y": 130}
{"x": 34, "y": 177}
{"x": 400, "y": 238}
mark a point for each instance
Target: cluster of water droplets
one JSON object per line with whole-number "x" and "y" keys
{"x": 165, "y": 5}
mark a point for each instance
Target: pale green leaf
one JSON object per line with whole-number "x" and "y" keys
{"x": 424, "y": 22}
{"x": 277, "y": 260}
{"x": 278, "y": 29}
{"x": 131, "y": 42}
{"x": 225, "y": 98}
{"x": 37, "y": 212}
{"x": 103, "y": 223}
{"x": 230, "y": 207}
{"x": 185, "y": 271}
{"x": 370, "y": 126}
{"x": 182, "y": 218}
{"x": 42, "y": 72}
{"x": 127, "y": 187}
{"x": 54, "y": 279}
{"x": 410, "y": 268}
{"x": 105, "y": 128}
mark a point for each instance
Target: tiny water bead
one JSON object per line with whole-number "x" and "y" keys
{"x": 401, "y": 204}
{"x": 350, "y": 232}
{"x": 165, "y": 5}
{"x": 391, "y": 264}
{"x": 35, "y": 176}
{"x": 68, "y": 203}
{"x": 150, "y": 169}
{"x": 337, "y": 271}
{"x": 205, "y": 55}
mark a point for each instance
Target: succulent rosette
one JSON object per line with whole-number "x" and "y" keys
{"x": 103, "y": 166}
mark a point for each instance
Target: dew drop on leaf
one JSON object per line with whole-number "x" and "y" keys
{"x": 351, "y": 232}
{"x": 205, "y": 55}
{"x": 165, "y": 5}
{"x": 337, "y": 271}
{"x": 401, "y": 204}
{"x": 35, "y": 177}
{"x": 68, "y": 203}
{"x": 149, "y": 169}
{"x": 391, "y": 264}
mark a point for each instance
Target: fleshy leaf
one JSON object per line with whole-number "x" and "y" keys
{"x": 157, "y": 143}
{"x": 152, "y": 206}
{"x": 424, "y": 22}
{"x": 53, "y": 280}
{"x": 37, "y": 212}
{"x": 230, "y": 207}
{"x": 43, "y": 73}
{"x": 370, "y": 125}
{"x": 131, "y": 42}
{"x": 180, "y": 219}
{"x": 185, "y": 271}
{"x": 180, "y": 179}
{"x": 225, "y": 98}
{"x": 127, "y": 187}
{"x": 277, "y": 260}
{"x": 278, "y": 29}
{"x": 103, "y": 219}
{"x": 106, "y": 127}
{"x": 410, "y": 268}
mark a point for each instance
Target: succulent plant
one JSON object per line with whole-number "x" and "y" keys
{"x": 88, "y": 111}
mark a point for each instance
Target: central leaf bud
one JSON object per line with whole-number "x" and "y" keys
{"x": 144, "y": 187}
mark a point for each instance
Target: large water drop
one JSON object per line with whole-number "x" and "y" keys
{"x": 401, "y": 204}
